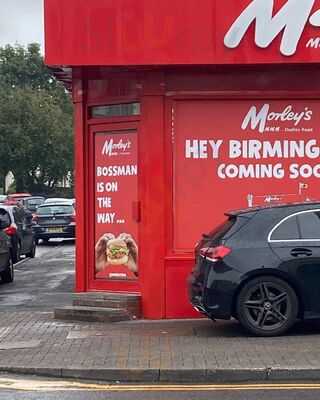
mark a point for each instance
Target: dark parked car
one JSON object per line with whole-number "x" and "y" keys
{"x": 54, "y": 220}
{"x": 20, "y": 231}
{"x": 32, "y": 203}
{"x": 262, "y": 267}
{"x": 6, "y": 261}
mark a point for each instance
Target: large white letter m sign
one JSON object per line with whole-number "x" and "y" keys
{"x": 290, "y": 21}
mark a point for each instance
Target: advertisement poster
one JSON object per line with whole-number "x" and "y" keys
{"x": 116, "y": 174}
{"x": 238, "y": 154}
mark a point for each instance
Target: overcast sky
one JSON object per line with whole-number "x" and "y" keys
{"x": 21, "y": 21}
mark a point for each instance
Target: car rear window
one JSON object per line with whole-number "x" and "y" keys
{"x": 55, "y": 209}
{"x": 221, "y": 230}
{"x": 34, "y": 202}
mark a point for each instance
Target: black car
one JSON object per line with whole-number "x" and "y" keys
{"x": 54, "y": 220}
{"x": 262, "y": 267}
{"x": 6, "y": 260}
{"x": 32, "y": 203}
{"x": 20, "y": 231}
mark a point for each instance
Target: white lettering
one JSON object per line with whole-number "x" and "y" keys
{"x": 259, "y": 119}
{"x": 313, "y": 43}
{"x": 203, "y": 148}
{"x": 117, "y": 170}
{"x": 110, "y": 147}
{"x": 104, "y": 202}
{"x": 256, "y": 119}
{"x": 291, "y": 19}
{"x": 106, "y": 218}
{"x": 192, "y": 150}
{"x": 253, "y": 171}
{"x": 215, "y": 145}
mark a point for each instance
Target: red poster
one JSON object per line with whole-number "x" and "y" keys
{"x": 116, "y": 250}
{"x": 238, "y": 154}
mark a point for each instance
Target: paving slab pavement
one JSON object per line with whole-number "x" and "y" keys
{"x": 154, "y": 351}
{"x": 196, "y": 351}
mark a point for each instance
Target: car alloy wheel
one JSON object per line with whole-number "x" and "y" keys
{"x": 267, "y": 306}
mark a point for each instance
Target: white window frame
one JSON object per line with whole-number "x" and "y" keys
{"x": 291, "y": 240}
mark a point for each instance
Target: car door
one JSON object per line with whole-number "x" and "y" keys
{"x": 296, "y": 241}
{"x": 4, "y": 241}
{"x": 27, "y": 233}
{"x": 23, "y": 228}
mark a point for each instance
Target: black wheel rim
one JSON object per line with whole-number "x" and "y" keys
{"x": 267, "y": 306}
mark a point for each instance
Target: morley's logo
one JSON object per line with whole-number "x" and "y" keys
{"x": 110, "y": 148}
{"x": 290, "y": 20}
{"x": 258, "y": 119}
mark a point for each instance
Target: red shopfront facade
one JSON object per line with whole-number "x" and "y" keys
{"x": 182, "y": 112}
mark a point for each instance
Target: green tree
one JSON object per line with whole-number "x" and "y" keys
{"x": 35, "y": 121}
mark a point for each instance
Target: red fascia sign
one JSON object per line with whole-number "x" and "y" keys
{"x": 238, "y": 154}
{"x": 147, "y": 32}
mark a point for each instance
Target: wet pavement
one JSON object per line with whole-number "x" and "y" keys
{"x": 43, "y": 282}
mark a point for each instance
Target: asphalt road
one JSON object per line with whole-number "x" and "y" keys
{"x": 41, "y": 283}
{"x": 12, "y": 387}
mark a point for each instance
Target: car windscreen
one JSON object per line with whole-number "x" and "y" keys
{"x": 55, "y": 209}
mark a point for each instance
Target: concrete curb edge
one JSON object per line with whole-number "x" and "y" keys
{"x": 172, "y": 375}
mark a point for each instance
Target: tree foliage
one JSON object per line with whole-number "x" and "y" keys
{"x": 35, "y": 121}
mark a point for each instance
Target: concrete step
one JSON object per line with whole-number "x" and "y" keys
{"x": 127, "y": 301}
{"x": 129, "y": 297}
{"x": 91, "y": 314}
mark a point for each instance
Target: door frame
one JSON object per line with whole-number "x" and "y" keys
{"x": 93, "y": 283}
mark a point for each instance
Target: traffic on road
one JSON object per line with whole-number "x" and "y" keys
{"x": 25, "y": 221}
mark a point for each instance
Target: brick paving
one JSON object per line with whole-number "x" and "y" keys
{"x": 198, "y": 345}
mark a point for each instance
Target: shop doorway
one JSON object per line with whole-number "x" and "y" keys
{"x": 114, "y": 260}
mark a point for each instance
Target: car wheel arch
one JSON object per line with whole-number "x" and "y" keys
{"x": 269, "y": 272}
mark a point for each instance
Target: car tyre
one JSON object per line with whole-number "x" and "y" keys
{"x": 267, "y": 306}
{"x": 45, "y": 241}
{"x": 32, "y": 253}
{"x": 7, "y": 275}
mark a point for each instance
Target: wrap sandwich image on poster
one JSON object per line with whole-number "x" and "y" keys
{"x": 116, "y": 257}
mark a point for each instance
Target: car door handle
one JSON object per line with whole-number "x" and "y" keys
{"x": 301, "y": 252}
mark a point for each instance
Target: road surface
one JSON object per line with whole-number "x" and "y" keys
{"x": 41, "y": 283}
